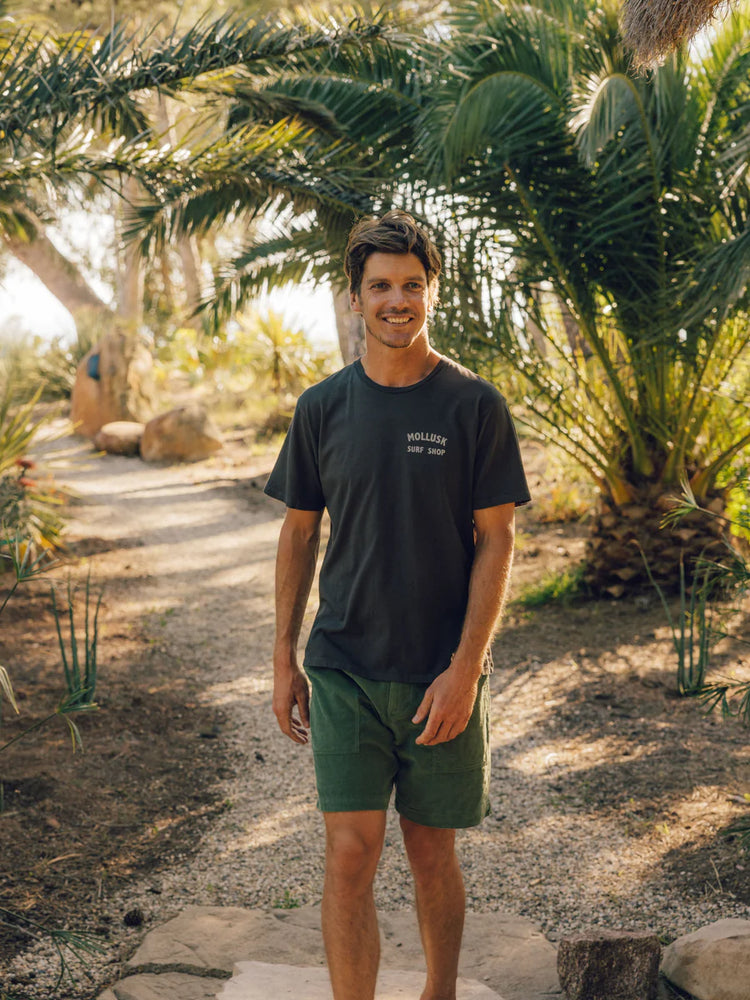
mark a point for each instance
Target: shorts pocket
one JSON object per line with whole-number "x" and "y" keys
{"x": 469, "y": 750}
{"x": 334, "y": 712}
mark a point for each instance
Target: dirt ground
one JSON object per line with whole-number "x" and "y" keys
{"x": 77, "y": 827}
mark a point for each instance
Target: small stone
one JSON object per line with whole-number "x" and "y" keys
{"x": 609, "y": 965}
{"x": 134, "y": 917}
{"x": 120, "y": 437}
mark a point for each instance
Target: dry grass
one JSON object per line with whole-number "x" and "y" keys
{"x": 654, "y": 28}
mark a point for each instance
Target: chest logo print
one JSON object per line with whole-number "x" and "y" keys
{"x": 424, "y": 443}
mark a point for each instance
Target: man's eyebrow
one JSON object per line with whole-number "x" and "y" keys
{"x": 412, "y": 277}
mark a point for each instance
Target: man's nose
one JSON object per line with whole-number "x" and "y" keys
{"x": 397, "y": 299}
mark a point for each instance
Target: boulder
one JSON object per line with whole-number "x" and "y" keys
{"x": 186, "y": 434}
{"x": 609, "y": 965}
{"x": 121, "y": 437}
{"x": 712, "y": 963}
{"x": 113, "y": 383}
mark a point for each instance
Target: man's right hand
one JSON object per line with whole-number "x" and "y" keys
{"x": 291, "y": 690}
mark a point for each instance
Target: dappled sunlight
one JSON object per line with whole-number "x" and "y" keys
{"x": 287, "y": 821}
{"x": 554, "y": 757}
{"x": 247, "y": 686}
{"x": 236, "y": 576}
{"x": 616, "y": 865}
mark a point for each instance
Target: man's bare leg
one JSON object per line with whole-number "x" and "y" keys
{"x": 441, "y": 903}
{"x": 354, "y": 841}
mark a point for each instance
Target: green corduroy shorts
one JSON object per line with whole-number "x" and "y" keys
{"x": 363, "y": 743}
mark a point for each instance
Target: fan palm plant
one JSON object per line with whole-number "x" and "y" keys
{"x": 597, "y": 225}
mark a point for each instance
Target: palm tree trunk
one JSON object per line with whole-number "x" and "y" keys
{"x": 350, "y": 328}
{"x": 54, "y": 270}
{"x": 191, "y": 276}
{"x": 625, "y": 536}
{"x": 130, "y": 271}
{"x": 186, "y": 246}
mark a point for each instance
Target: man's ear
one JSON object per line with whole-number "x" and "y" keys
{"x": 354, "y": 302}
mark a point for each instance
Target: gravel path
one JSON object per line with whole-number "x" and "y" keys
{"x": 555, "y": 849}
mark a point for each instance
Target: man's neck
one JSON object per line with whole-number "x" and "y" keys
{"x": 397, "y": 368}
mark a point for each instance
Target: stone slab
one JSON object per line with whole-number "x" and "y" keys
{"x": 509, "y": 954}
{"x": 261, "y": 980}
{"x": 165, "y": 986}
{"x": 216, "y": 937}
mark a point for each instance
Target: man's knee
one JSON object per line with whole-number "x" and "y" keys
{"x": 354, "y": 842}
{"x": 429, "y": 848}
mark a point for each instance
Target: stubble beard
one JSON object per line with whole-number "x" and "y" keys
{"x": 399, "y": 345}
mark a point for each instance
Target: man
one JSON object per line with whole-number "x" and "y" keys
{"x": 417, "y": 462}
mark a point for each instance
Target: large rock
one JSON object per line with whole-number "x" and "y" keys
{"x": 507, "y": 954}
{"x": 712, "y": 963}
{"x": 113, "y": 382}
{"x": 121, "y": 437}
{"x": 261, "y": 981}
{"x": 609, "y": 965}
{"x": 186, "y": 434}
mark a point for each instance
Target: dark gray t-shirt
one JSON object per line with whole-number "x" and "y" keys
{"x": 401, "y": 471}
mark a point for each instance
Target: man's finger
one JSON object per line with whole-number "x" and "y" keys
{"x": 424, "y": 709}
{"x": 430, "y": 733}
{"x": 303, "y": 703}
{"x": 298, "y": 731}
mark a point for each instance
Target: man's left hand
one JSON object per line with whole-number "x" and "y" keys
{"x": 447, "y": 705}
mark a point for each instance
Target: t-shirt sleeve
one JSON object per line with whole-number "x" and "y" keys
{"x": 498, "y": 470}
{"x": 295, "y": 479}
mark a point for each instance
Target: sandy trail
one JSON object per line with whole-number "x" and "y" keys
{"x": 594, "y": 807}
{"x": 190, "y": 550}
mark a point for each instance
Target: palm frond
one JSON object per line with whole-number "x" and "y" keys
{"x": 291, "y": 256}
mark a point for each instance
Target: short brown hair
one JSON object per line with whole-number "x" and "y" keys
{"x": 395, "y": 232}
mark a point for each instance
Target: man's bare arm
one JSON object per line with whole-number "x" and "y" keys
{"x": 449, "y": 700}
{"x": 299, "y": 541}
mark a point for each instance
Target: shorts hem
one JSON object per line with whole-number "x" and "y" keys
{"x": 462, "y": 825}
{"x": 351, "y": 807}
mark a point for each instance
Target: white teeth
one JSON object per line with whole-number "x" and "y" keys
{"x": 397, "y": 321}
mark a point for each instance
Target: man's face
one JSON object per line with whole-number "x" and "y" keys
{"x": 394, "y": 298}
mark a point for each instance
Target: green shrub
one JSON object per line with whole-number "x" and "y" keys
{"x": 559, "y": 588}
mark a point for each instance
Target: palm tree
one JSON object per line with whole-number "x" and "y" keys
{"x": 597, "y": 224}
{"x": 336, "y": 128}
{"x": 76, "y": 111}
